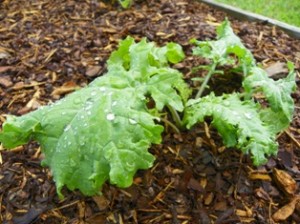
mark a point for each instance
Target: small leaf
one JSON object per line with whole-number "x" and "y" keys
{"x": 278, "y": 94}
{"x": 125, "y": 3}
{"x": 174, "y": 53}
{"x": 220, "y": 51}
{"x": 238, "y": 122}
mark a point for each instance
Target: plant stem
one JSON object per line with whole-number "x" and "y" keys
{"x": 206, "y": 79}
{"x": 171, "y": 125}
{"x": 175, "y": 116}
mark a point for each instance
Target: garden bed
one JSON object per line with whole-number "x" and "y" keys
{"x": 51, "y": 48}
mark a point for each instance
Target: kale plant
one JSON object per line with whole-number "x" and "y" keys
{"x": 240, "y": 120}
{"x": 103, "y": 131}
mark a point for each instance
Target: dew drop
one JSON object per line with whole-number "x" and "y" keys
{"x": 234, "y": 113}
{"x": 102, "y": 89}
{"x": 131, "y": 121}
{"x": 67, "y": 128}
{"x": 248, "y": 115}
{"x": 110, "y": 117}
{"x": 88, "y": 107}
{"x": 130, "y": 166}
{"x": 226, "y": 103}
{"x": 77, "y": 101}
{"x": 89, "y": 113}
{"x": 82, "y": 116}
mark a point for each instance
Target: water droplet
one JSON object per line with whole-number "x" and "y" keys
{"x": 114, "y": 103}
{"x": 248, "y": 115}
{"x": 85, "y": 125}
{"x": 67, "y": 127}
{"x": 102, "y": 89}
{"x": 88, "y": 107}
{"x": 77, "y": 101}
{"x": 226, "y": 103}
{"x": 82, "y": 116}
{"x": 130, "y": 166}
{"x": 234, "y": 113}
{"x": 89, "y": 113}
{"x": 93, "y": 93}
{"x": 110, "y": 117}
{"x": 131, "y": 121}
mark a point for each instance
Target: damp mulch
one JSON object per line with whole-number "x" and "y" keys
{"x": 49, "y": 48}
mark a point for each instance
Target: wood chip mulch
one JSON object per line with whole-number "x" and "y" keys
{"x": 49, "y": 48}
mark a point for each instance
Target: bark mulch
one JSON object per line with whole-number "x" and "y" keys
{"x": 49, "y": 48}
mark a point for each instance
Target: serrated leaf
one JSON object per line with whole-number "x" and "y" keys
{"x": 278, "y": 94}
{"x": 103, "y": 131}
{"x": 149, "y": 71}
{"x": 221, "y": 51}
{"x": 238, "y": 122}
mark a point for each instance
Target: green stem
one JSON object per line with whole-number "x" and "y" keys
{"x": 206, "y": 79}
{"x": 171, "y": 125}
{"x": 175, "y": 116}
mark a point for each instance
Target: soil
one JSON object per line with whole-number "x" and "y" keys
{"x": 49, "y": 48}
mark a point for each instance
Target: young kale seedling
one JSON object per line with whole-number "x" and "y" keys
{"x": 103, "y": 132}
{"x": 240, "y": 120}
{"x": 125, "y": 3}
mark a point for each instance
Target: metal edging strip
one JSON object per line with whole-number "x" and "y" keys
{"x": 242, "y": 14}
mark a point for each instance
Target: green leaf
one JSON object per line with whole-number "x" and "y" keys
{"x": 174, "y": 53}
{"x": 125, "y": 3}
{"x": 103, "y": 131}
{"x": 221, "y": 51}
{"x": 18, "y": 131}
{"x": 238, "y": 122}
{"x": 278, "y": 94}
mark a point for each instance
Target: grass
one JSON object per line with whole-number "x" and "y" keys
{"x": 287, "y": 11}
